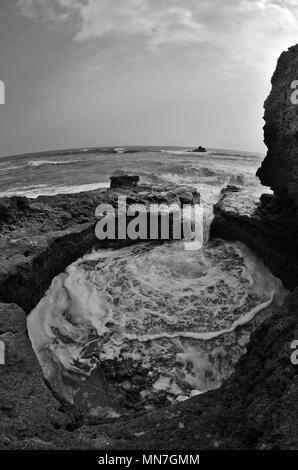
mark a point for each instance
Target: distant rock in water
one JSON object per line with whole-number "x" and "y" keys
{"x": 199, "y": 150}
{"x": 124, "y": 180}
{"x": 131, "y": 151}
{"x": 279, "y": 170}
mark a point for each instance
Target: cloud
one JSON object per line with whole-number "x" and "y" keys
{"x": 162, "y": 23}
{"x": 166, "y": 23}
{"x": 242, "y": 27}
{"x": 55, "y": 10}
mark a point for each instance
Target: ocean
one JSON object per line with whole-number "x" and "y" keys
{"x": 86, "y": 169}
{"x": 146, "y": 326}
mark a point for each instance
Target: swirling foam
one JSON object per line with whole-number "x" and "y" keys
{"x": 177, "y": 320}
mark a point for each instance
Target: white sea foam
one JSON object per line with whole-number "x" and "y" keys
{"x": 42, "y": 190}
{"x": 38, "y": 163}
{"x": 181, "y": 316}
{"x": 52, "y": 162}
{"x": 186, "y": 152}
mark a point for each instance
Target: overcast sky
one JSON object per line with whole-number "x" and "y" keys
{"x": 84, "y": 73}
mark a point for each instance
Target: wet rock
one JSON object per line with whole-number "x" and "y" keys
{"x": 200, "y": 150}
{"x": 13, "y": 208}
{"x": 124, "y": 180}
{"x": 187, "y": 195}
{"x": 265, "y": 226}
{"x": 126, "y": 385}
{"x": 27, "y": 407}
{"x": 4, "y": 208}
{"x": 230, "y": 189}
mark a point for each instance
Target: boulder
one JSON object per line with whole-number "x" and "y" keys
{"x": 124, "y": 180}
{"x": 29, "y": 414}
{"x": 14, "y": 207}
{"x": 199, "y": 150}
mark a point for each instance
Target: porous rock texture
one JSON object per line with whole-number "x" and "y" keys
{"x": 124, "y": 180}
{"x": 279, "y": 170}
{"x": 266, "y": 226}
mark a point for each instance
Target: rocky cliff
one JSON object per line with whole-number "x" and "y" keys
{"x": 280, "y": 167}
{"x": 270, "y": 225}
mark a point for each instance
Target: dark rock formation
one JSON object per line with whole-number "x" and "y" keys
{"x": 266, "y": 227}
{"x": 30, "y": 416}
{"x": 13, "y": 208}
{"x": 199, "y": 150}
{"x": 124, "y": 180}
{"x": 131, "y": 151}
{"x": 279, "y": 170}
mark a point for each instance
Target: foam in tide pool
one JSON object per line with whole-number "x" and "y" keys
{"x": 147, "y": 325}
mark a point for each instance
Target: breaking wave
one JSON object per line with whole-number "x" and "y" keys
{"x": 38, "y": 163}
{"x": 42, "y": 190}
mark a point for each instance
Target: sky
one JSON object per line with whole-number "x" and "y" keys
{"x": 83, "y": 73}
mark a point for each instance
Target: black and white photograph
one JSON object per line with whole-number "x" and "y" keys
{"x": 148, "y": 232}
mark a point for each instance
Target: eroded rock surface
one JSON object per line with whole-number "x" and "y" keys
{"x": 266, "y": 226}
{"x": 124, "y": 180}
{"x": 280, "y": 167}
{"x": 30, "y": 416}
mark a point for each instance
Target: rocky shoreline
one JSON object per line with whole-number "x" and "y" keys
{"x": 40, "y": 237}
{"x": 255, "y": 409}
